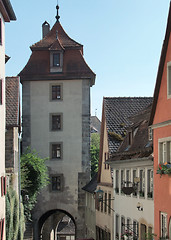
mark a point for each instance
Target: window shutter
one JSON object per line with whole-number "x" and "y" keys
{"x": 160, "y": 152}
{"x": 151, "y": 185}
{"x": 143, "y": 181}
{"x": 2, "y": 186}
{"x": 0, "y": 91}
{"x": 0, "y": 31}
{"x": 3, "y": 224}
{"x": 5, "y": 185}
{"x": 0, "y": 229}
{"x": 164, "y": 152}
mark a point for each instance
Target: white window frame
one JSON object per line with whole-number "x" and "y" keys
{"x": 117, "y": 225}
{"x": 117, "y": 181}
{"x": 164, "y": 150}
{"x": 122, "y": 179}
{"x": 169, "y": 80}
{"x": 142, "y": 183}
{"x": 163, "y": 228}
{"x": 128, "y": 177}
{"x": 150, "y": 182}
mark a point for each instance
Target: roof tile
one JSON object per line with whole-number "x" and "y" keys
{"x": 118, "y": 111}
{"x": 12, "y": 101}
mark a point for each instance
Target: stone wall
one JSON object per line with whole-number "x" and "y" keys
{"x": 9, "y": 146}
{"x": 26, "y": 132}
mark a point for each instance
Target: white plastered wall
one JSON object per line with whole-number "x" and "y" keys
{"x": 71, "y": 134}
{"x": 2, "y": 116}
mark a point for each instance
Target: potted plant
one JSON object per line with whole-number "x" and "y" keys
{"x": 126, "y": 234}
{"x": 164, "y": 168}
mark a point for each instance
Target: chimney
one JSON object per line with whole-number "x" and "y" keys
{"x": 45, "y": 29}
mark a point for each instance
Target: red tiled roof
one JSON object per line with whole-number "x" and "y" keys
{"x": 74, "y": 64}
{"x": 12, "y": 102}
{"x": 57, "y": 32}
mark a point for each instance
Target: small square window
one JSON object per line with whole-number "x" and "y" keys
{"x": 56, "y": 60}
{"x": 56, "y": 151}
{"x": 56, "y": 183}
{"x": 56, "y": 92}
{"x": 56, "y": 122}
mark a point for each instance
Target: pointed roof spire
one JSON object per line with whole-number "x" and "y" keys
{"x": 57, "y": 16}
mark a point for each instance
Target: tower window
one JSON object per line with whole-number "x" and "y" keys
{"x": 56, "y": 149}
{"x": 56, "y": 122}
{"x": 56, "y": 60}
{"x": 56, "y": 182}
{"x": 56, "y": 92}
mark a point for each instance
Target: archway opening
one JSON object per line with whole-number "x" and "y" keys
{"x": 57, "y": 225}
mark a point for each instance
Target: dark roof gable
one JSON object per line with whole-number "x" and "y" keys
{"x": 141, "y": 146}
{"x": 118, "y": 111}
{"x": 12, "y": 102}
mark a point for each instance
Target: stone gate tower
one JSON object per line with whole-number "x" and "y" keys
{"x": 56, "y": 85}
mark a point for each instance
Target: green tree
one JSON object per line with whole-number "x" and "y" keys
{"x": 15, "y": 222}
{"x": 33, "y": 178}
{"x": 94, "y": 152}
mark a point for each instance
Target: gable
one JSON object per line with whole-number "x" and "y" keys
{"x": 104, "y": 175}
{"x": 161, "y": 101}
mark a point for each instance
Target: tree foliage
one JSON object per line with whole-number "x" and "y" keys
{"x": 15, "y": 222}
{"x": 94, "y": 152}
{"x": 33, "y": 178}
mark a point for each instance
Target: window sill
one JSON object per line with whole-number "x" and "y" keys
{"x": 56, "y": 159}
{"x": 58, "y": 130}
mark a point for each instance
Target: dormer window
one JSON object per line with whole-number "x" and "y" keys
{"x": 56, "y": 61}
{"x": 129, "y": 138}
{"x": 150, "y": 133}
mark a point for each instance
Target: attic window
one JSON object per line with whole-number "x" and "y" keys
{"x": 169, "y": 80}
{"x": 129, "y": 138}
{"x": 56, "y": 60}
{"x": 150, "y": 133}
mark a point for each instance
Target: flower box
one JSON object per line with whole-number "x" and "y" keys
{"x": 164, "y": 168}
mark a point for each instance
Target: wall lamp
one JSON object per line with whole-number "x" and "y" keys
{"x": 139, "y": 206}
{"x": 99, "y": 196}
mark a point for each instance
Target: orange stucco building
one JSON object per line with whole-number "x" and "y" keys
{"x": 161, "y": 124}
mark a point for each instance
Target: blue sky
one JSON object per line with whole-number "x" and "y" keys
{"x": 122, "y": 40}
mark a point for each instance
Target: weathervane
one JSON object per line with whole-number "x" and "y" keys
{"x": 57, "y": 16}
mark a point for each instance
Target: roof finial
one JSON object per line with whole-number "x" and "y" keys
{"x": 57, "y": 16}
